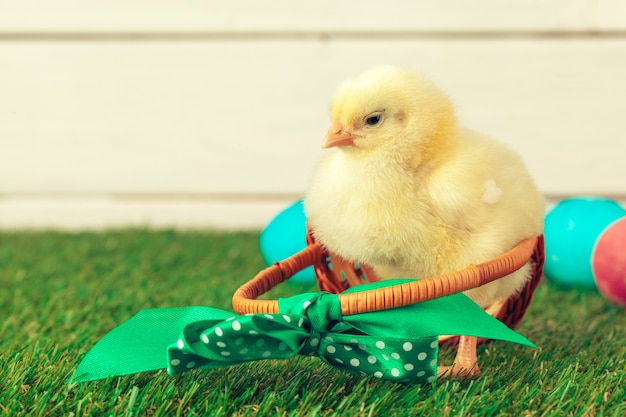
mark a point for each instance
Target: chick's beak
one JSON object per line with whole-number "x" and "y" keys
{"x": 337, "y": 137}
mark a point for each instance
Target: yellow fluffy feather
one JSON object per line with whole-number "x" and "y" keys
{"x": 413, "y": 194}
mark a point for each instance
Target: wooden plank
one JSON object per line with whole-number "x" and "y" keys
{"x": 101, "y": 212}
{"x": 323, "y": 16}
{"x": 218, "y": 118}
{"x": 247, "y": 117}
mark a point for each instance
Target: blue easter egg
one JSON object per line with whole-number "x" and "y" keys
{"x": 284, "y": 236}
{"x": 571, "y": 230}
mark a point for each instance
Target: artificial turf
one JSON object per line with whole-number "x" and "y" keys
{"x": 61, "y": 292}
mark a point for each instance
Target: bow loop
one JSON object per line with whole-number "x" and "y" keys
{"x": 237, "y": 339}
{"x": 383, "y": 357}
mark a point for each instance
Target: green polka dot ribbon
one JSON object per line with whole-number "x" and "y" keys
{"x": 398, "y": 344}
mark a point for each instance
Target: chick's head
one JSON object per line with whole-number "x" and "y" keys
{"x": 391, "y": 109}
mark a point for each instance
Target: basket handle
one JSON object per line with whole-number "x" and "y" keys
{"x": 245, "y": 298}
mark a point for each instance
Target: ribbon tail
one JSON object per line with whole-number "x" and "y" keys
{"x": 140, "y": 344}
{"x": 471, "y": 320}
{"x": 454, "y": 314}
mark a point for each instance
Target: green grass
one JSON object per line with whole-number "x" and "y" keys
{"x": 60, "y": 292}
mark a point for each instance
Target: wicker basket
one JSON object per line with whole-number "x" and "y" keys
{"x": 335, "y": 275}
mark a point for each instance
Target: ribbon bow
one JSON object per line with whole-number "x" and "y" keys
{"x": 399, "y": 344}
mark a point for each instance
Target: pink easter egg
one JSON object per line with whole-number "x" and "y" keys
{"x": 608, "y": 262}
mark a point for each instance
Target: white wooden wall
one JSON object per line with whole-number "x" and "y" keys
{"x": 204, "y": 113}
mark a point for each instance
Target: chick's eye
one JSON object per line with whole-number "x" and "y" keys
{"x": 373, "y": 120}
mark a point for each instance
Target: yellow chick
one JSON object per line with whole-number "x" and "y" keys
{"x": 413, "y": 194}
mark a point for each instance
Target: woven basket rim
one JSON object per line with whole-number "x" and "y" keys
{"x": 245, "y": 298}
